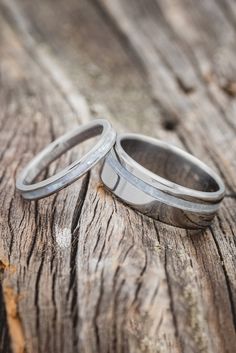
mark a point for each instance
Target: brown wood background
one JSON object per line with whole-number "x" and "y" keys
{"x": 81, "y": 272}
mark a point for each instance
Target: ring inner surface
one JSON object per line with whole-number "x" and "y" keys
{"x": 59, "y": 149}
{"x": 169, "y": 165}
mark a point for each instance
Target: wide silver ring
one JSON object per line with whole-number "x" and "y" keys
{"x": 65, "y": 177}
{"x": 162, "y": 181}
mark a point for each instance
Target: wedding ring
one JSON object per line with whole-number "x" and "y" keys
{"x": 68, "y": 175}
{"x": 162, "y": 181}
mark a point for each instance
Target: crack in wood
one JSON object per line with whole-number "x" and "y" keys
{"x": 227, "y": 280}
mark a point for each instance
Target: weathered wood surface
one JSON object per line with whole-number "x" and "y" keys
{"x": 81, "y": 272}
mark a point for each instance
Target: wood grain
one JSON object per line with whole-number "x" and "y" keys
{"x": 80, "y": 271}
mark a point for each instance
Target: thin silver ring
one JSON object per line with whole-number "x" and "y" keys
{"x": 68, "y": 175}
{"x": 169, "y": 201}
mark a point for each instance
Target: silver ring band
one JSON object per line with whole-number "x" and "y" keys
{"x": 166, "y": 167}
{"x": 162, "y": 181}
{"x": 72, "y": 172}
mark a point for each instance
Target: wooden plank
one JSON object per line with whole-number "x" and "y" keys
{"x": 81, "y": 271}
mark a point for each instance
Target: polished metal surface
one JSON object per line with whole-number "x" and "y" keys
{"x": 169, "y": 168}
{"x": 162, "y": 181}
{"x": 74, "y": 171}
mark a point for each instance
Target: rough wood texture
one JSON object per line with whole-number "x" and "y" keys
{"x": 81, "y": 272}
